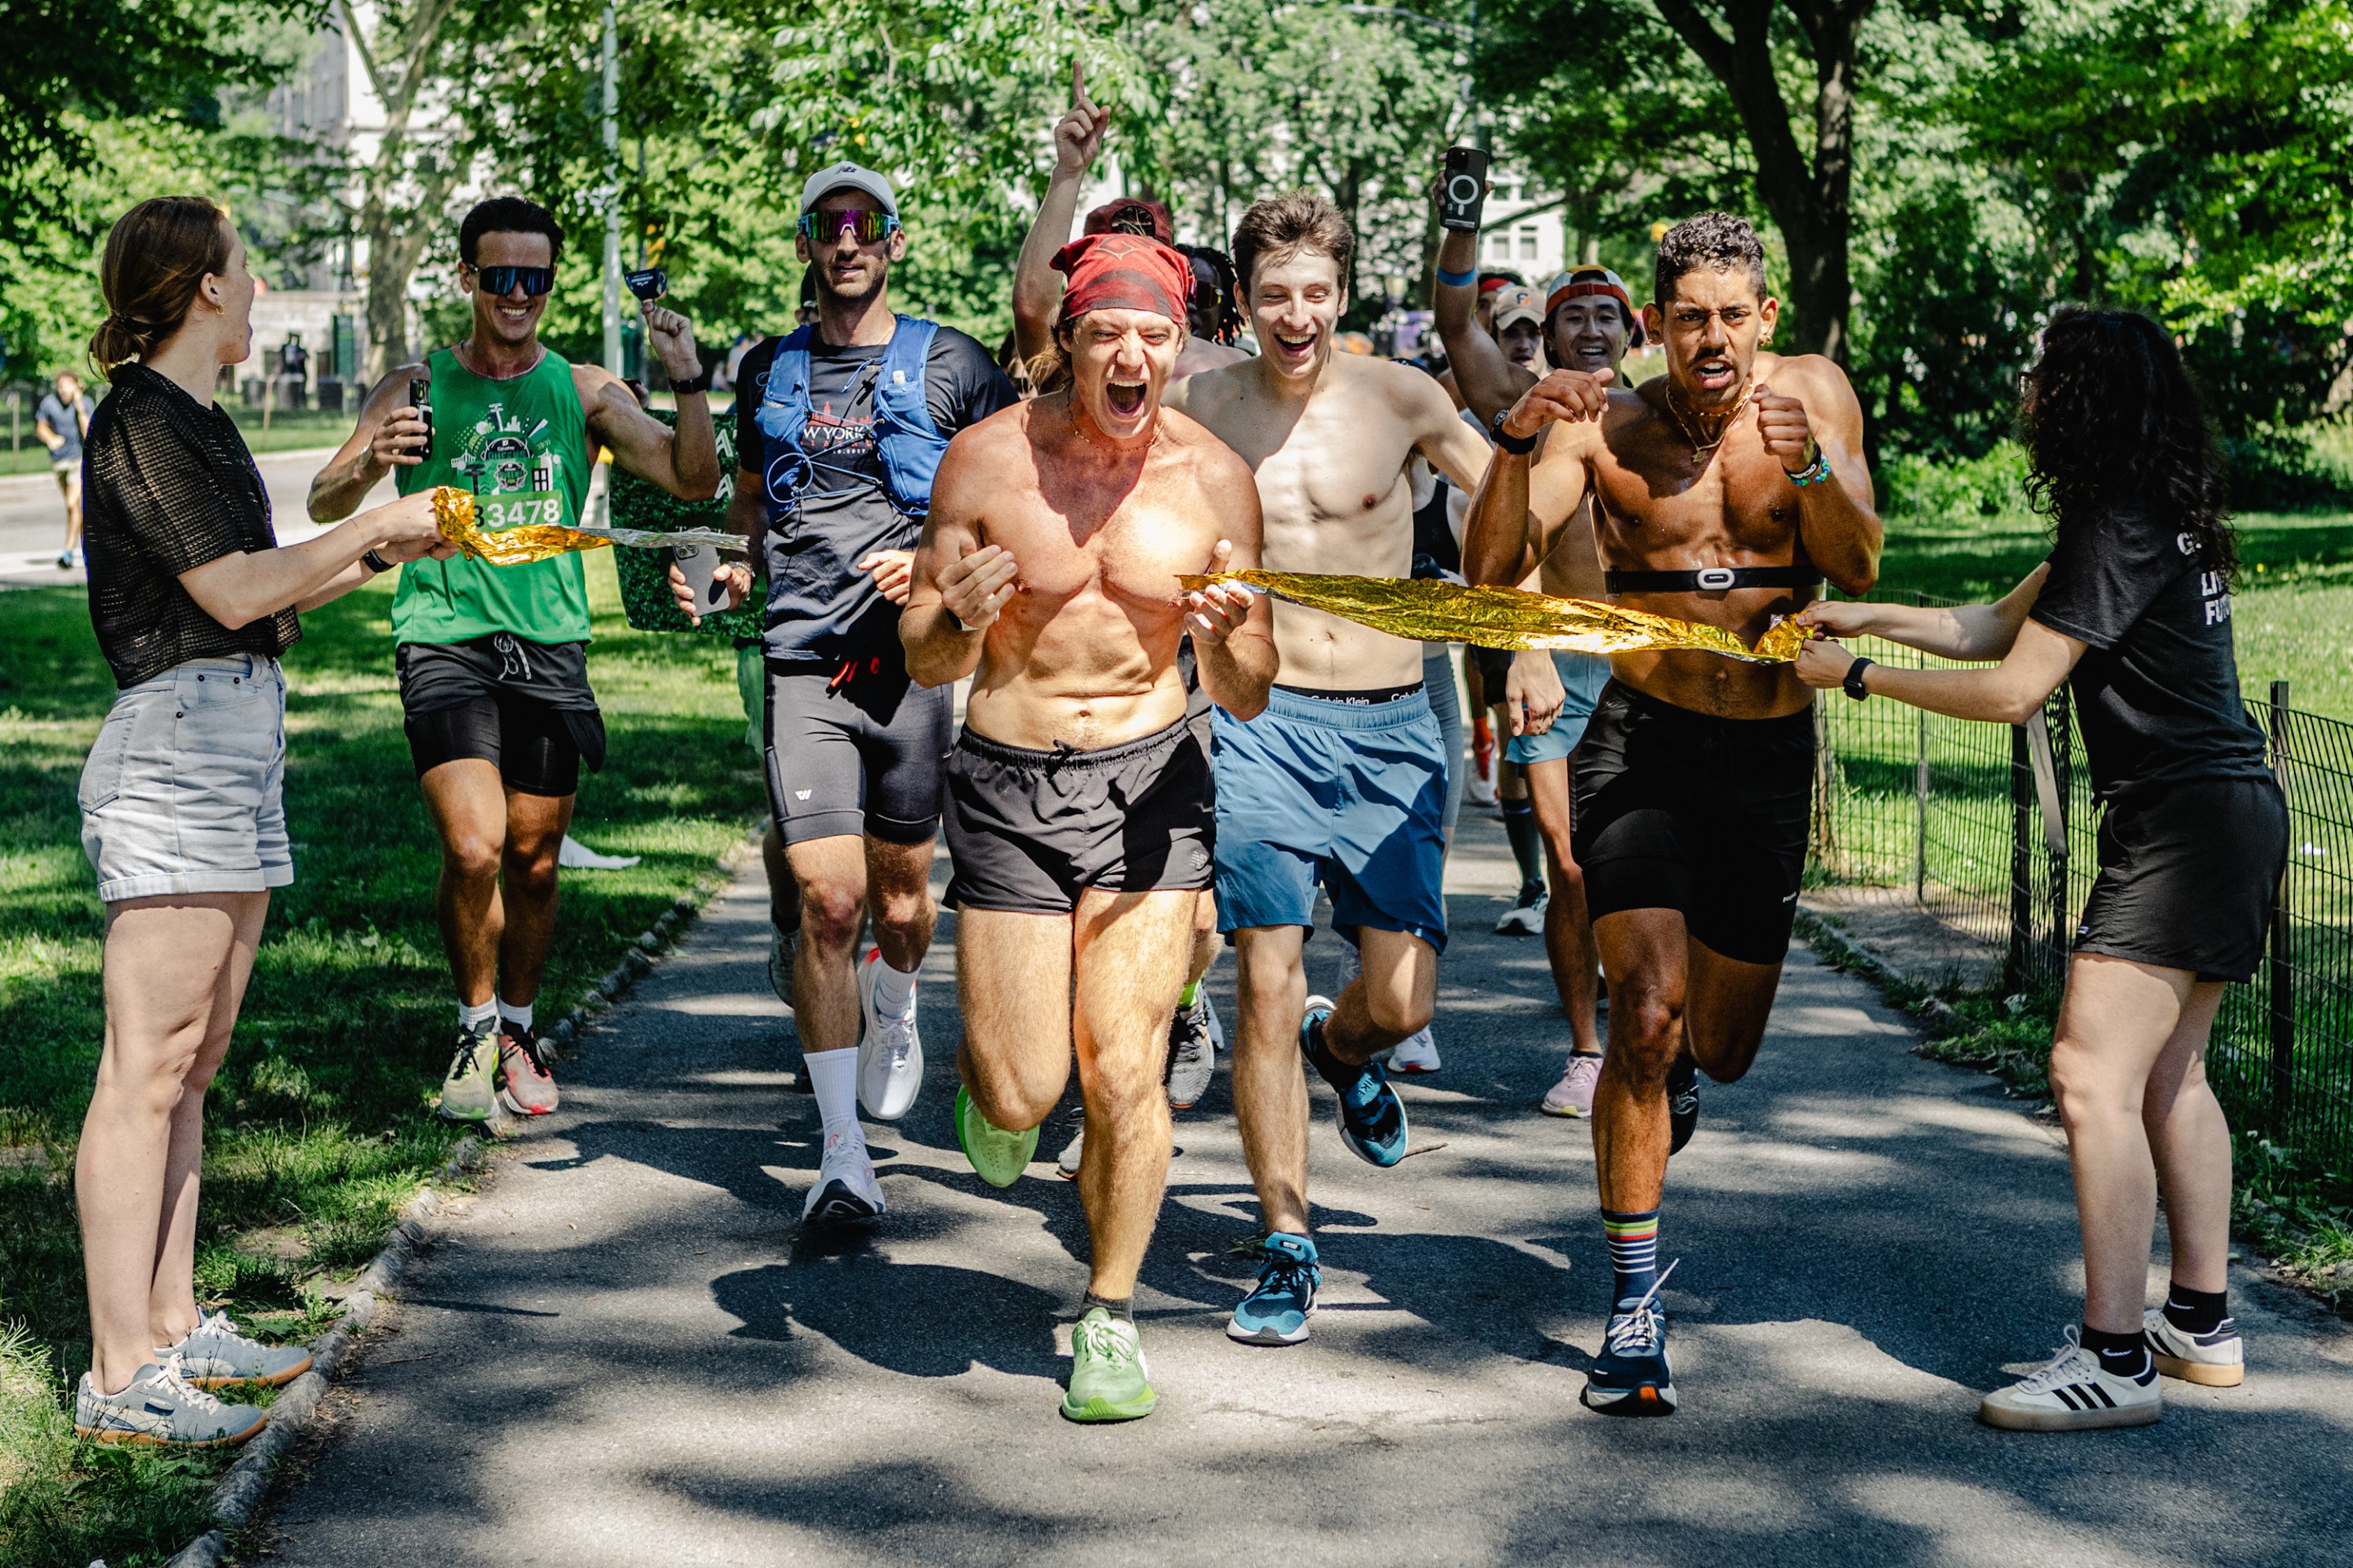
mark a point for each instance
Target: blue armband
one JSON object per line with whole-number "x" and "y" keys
{"x": 1456, "y": 280}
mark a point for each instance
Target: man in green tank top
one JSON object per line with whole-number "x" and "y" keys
{"x": 493, "y": 660}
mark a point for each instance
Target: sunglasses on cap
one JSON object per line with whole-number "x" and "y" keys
{"x": 865, "y": 227}
{"x": 535, "y": 281}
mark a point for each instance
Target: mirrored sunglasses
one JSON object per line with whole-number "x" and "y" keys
{"x": 866, "y": 227}
{"x": 535, "y": 281}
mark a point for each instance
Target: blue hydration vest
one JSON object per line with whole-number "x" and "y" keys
{"x": 908, "y": 442}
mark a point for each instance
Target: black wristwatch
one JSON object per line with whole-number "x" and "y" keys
{"x": 700, "y": 384}
{"x": 1518, "y": 446}
{"x": 1854, "y": 682}
{"x": 374, "y": 562}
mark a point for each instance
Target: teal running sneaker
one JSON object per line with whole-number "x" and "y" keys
{"x": 1372, "y": 1118}
{"x": 1275, "y": 1311}
{"x": 998, "y": 1155}
{"x": 1108, "y": 1377}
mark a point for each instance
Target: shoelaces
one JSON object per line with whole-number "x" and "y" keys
{"x": 2069, "y": 1363}
{"x": 1635, "y": 1331}
{"x": 1104, "y": 1341}
{"x": 176, "y": 1380}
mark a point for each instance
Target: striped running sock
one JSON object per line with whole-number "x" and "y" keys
{"x": 2196, "y": 1311}
{"x": 1633, "y": 1252}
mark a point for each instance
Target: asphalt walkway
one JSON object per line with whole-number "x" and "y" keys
{"x": 626, "y": 1352}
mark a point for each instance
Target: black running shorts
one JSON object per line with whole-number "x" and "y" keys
{"x": 2187, "y": 877}
{"x": 1707, "y": 816}
{"x": 524, "y": 707}
{"x": 855, "y": 754}
{"x": 1028, "y": 830}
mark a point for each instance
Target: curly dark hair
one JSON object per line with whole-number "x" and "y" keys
{"x": 1716, "y": 241}
{"x": 2109, "y": 414}
{"x": 1211, "y": 313}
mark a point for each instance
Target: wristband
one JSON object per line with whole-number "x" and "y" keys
{"x": 1853, "y": 681}
{"x": 1518, "y": 446}
{"x": 687, "y": 389}
{"x": 1446, "y": 280}
{"x": 1813, "y": 472}
{"x": 374, "y": 562}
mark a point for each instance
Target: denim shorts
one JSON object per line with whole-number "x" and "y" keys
{"x": 185, "y": 788}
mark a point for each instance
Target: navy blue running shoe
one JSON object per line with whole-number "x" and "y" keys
{"x": 1372, "y": 1118}
{"x": 1275, "y": 1311}
{"x": 1682, "y": 1103}
{"x": 1630, "y": 1376}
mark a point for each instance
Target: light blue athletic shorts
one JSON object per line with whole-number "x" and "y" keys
{"x": 1349, "y": 795}
{"x": 1582, "y": 675}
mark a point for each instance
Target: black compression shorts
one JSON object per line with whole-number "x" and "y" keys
{"x": 2187, "y": 877}
{"x": 1029, "y": 830}
{"x": 524, "y": 707}
{"x": 853, "y": 755}
{"x": 1708, "y": 816}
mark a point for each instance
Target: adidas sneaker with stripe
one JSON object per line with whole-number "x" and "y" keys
{"x": 2073, "y": 1393}
{"x": 2217, "y": 1358}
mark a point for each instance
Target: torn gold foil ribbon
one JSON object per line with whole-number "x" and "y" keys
{"x": 1426, "y": 609}
{"x": 453, "y": 513}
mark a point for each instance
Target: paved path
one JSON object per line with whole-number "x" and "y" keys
{"x": 627, "y": 1353}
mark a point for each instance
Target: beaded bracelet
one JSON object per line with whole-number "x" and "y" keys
{"x": 1813, "y": 472}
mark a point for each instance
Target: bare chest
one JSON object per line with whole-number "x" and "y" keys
{"x": 1130, "y": 554}
{"x": 1659, "y": 508}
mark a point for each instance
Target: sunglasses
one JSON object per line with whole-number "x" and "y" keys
{"x": 866, "y": 227}
{"x": 535, "y": 281}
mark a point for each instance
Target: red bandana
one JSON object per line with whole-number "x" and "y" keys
{"x": 1124, "y": 272}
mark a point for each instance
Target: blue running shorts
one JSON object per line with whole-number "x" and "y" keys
{"x": 1582, "y": 677}
{"x": 1351, "y": 795}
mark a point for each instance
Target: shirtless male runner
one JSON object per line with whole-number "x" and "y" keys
{"x": 1727, "y": 490}
{"x": 1588, "y": 325}
{"x": 1342, "y": 779}
{"x": 1079, "y": 814}
{"x": 1194, "y": 1035}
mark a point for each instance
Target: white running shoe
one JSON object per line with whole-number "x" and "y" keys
{"x": 890, "y": 1052}
{"x": 845, "y": 1191}
{"x": 1416, "y": 1053}
{"x": 2217, "y": 1360}
{"x": 1526, "y": 918}
{"x": 2073, "y": 1393}
{"x": 1067, "y": 1167}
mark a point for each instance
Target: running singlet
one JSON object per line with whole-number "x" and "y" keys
{"x": 522, "y": 448}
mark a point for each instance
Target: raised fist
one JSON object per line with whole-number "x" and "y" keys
{"x": 1563, "y": 395}
{"x": 1782, "y": 426}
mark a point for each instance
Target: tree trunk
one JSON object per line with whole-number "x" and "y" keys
{"x": 1811, "y": 202}
{"x": 398, "y": 66}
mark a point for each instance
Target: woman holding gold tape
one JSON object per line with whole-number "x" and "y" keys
{"x": 2133, "y": 610}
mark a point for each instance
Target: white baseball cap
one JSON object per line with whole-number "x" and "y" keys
{"x": 849, "y": 176}
{"x": 1516, "y": 302}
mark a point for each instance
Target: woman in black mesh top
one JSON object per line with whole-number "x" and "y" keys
{"x": 2133, "y": 611}
{"x": 193, "y": 600}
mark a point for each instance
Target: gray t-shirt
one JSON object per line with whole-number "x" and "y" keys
{"x": 70, "y": 424}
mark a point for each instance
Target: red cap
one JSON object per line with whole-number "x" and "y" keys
{"x": 1163, "y": 228}
{"x": 1126, "y": 272}
{"x": 1579, "y": 282}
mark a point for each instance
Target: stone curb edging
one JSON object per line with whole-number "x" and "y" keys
{"x": 1842, "y": 949}
{"x": 239, "y": 1493}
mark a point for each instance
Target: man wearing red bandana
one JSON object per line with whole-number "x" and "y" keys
{"x": 1079, "y": 814}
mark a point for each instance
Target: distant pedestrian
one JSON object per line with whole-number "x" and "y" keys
{"x": 62, "y": 424}
{"x": 2133, "y": 610}
{"x": 193, "y": 600}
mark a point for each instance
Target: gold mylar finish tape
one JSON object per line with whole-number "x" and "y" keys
{"x": 1426, "y": 609}
{"x": 453, "y": 510}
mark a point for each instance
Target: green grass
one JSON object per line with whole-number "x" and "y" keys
{"x": 321, "y": 1127}
{"x": 287, "y": 432}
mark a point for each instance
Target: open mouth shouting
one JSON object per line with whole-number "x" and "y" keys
{"x": 1714, "y": 373}
{"x": 1125, "y": 397}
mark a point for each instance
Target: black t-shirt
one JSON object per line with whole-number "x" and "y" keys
{"x": 171, "y": 486}
{"x": 2157, "y": 691}
{"x": 821, "y": 608}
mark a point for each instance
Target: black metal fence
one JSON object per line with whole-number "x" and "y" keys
{"x": 1992, "y": 829}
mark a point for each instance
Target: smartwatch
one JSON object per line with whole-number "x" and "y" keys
{"x": 1854, "y": 682}
{"x": 374, "y": 562}
{"x": 700, "y": 384}
{"x": 1518, "y": 446}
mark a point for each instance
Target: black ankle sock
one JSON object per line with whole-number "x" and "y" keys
{"x": 2196, "y": 1311}
{"x": 1123, "y": 1309}
{"x": 2121, "y": 1355}
{"x": 1527, "y": 843}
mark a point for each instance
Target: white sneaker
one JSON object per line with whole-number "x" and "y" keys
{"x": 2071, "y": 1393}
{"x": 1417, "y": 1053}
{"x": 1525, "y": 919}
{"x": 890, "y": 1052}
{"x": 845, "y": 1190}
{"x": 1067, "y": 1167}
{"x": 2217, "y": 1360}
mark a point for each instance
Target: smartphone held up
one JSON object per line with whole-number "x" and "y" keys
{"x": 1465, "y": 189}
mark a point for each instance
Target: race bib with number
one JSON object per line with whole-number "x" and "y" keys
{"x": 516, "y": 508}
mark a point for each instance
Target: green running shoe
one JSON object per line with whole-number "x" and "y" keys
{"x": 998, "y": 1155}
{"x": 1107, "y": 1370}
{"x": 469, "y": 1092}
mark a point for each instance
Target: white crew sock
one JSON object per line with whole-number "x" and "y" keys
{"x": 894, "y": 993}
{"x": 834, "y": 1076}
{"x": 518, "y": 1016}
{"x": 472, "y": 1018}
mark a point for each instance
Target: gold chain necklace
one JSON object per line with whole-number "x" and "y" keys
{"x": 1703, "y": 451}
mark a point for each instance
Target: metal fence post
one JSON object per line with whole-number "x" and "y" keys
{"x": 2021, "y": 824}
{"x": 1920, "y": 814}
{"x": 2282, "y": 970}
